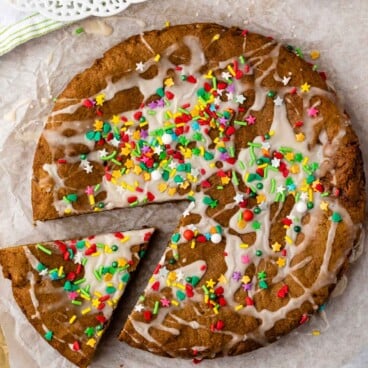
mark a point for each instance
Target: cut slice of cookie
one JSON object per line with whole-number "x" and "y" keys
{"x": 68, "y": 290}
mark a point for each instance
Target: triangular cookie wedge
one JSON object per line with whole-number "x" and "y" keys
{"x": 68, "y": 290}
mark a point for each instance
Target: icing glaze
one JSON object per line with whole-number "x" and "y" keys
{"x": 283, "y": 164}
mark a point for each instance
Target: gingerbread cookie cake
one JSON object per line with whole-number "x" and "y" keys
{"x": 248, "y": 133}
{"x": 68, "y": 290}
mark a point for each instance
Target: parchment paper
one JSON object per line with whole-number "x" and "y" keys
{"x": 35, "y": 72}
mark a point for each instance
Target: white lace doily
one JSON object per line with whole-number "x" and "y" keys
{"x": 69, "y": 10}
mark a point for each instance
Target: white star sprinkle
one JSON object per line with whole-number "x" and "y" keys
{"x": 44, "y": 272}
{"x": 285, "y": 80}
{"x": 138, "y": 308}
{"x": 78, "y": 257}
{"x": 180, "y": 275}
{"x": 275, "y": 162}
{"x": 163, "y": 273}
{"x": 220, "y": 92}
{"x": 87, "y": 167}
{"x": 102, "y": 152}
{"x": 188, "y": 209}
{"x": 278, "y": 101}
{"x": 280, "y": 189}
{"x": 229, "y": 96}
{"x": 217, "y": 100}
{"x": 172, "y": 165}
{"x": 240, "y": 99}
{"x": 158, "y": 150}
{"x": 226, "y": 75}
{"x": 238, "y": 198}
{"x": 139, "y": 67}
{"x": 114, "y": 142}
{"x": 304, "y": 196}
{"x": 266, "y": 145}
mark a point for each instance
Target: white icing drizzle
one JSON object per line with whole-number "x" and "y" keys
{"x": 284, "y": 135}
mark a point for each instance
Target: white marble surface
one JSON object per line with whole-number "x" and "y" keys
{"x": 35, "y": 72}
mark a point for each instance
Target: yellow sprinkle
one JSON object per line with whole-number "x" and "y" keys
{"x": 231, "y": 70}
{"x": 212, "y": 164}
{"x": 310, "y": 195}
{"x": 305, "y": 160}
{"x": 216, "y": 37}
{"x": 305, "y": 87}
{"x": 180, "y": 286}
{"x": 281, "y": 262}
{"x": 96, "y": 254}
{"x": 99, "y": 333}
{"x": 222, "y": 279}
{"x": 206, "y": 298}
{"x": 98, "y": 294}
{"x": 241, "y": 224}
{"x": 171, "y": 191}
{"x": 192, "y": 246}
{"x": 324, "y": 206}
{"x": 115, "y": 119}
{"x": 174, "y": 302}
{"x": 72, "y": 319}
{"x": 215, "y": 310}
{"x": 314, "y": 54}
{"x": 107, "y": 277}
{"x": 110, "y": 303}
{"x": 171, "y": 276}
{"x": 209, "y": 74}
{"x": 125, "y": 239}
{"x": 300, "y": 137}
{"x": 167, "y": 23}
{"x": 316, "y": 332}
{"x": 244, "y": 245}
{"x": 91, "y": 199}
{"x": 271, "y": 133}
{"x": 162, "y": 187}
{"x": 85, "y": 311}
{"x": 239, "y": 307}
{"x": 95, "y": 303}
{"x": 85, "y": 297}
{"x": 288, "y": 239}
{"x": 100, "y": 99}
{"x": 169, "y": 82}
{"x": 294, "y": 169}
{"x": 245, "y": 279}
{"x": 68, "y": 210}
{"x": 61, "y": 270}
{"x": 91, "y": 343}
{"x": 157, "y": 58}
{"x": 276, "y": 247}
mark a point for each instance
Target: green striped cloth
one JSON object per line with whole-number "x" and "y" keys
{"x": 24, "y": 29}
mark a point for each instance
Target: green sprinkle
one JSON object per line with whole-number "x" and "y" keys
{"x": 110, "y": 289}
{"x": 71, "y": 197}
{"x": 97, "y": 275}
{"x": 336, "y": 217}
{"x": 109, "y": 157}
{"x": 48, "y": 335}
{"x": 234, "y": 179}
{"x": 242, "y": 123}
{"x": 77, "y": 302}
{"x": 258, "y": 253}
{"x": 194, "y": 280}
{"x": 204, "y": 288}
{"x": 241, "y": 59}
{"x": 43, "y": 249}
{"x": 156, "y": 307}
{"x": 80, "y": 281}
{"x": 175, "y": 238}
{"x": 116, "y": 162}
{"x": 180, "y": 295}
{"x": 255, "y": 145}
{"x": 263, "y": 284}
{"x": 256, "y": 225}
{"x": 125, "y": 278}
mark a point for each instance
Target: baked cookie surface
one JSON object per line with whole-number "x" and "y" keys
{"x": 68, "y": 290}
{"x": 252, "y": 136}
